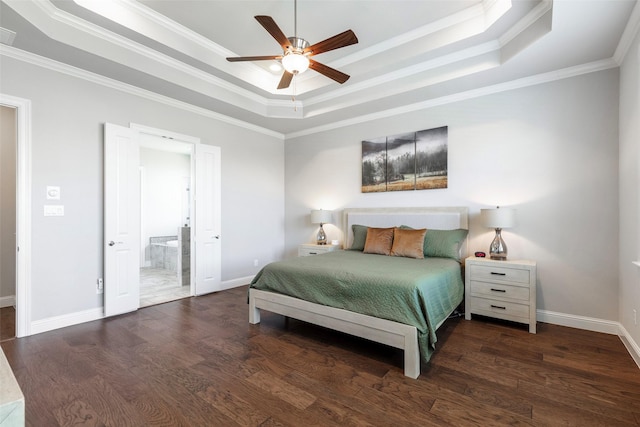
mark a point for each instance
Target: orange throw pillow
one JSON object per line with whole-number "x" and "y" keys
{"x": 408, "y": 243}
{"x": 379, "y": 241}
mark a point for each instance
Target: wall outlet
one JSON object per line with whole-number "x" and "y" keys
{"x": 255, "y": 262}
{"x": 100, "y": 286}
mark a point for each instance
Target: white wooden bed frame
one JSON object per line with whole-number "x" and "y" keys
{"x": 383, "y": 331}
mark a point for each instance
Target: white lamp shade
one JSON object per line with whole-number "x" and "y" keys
{"x": 498, "y": 218}
{"x": 320, "y": 216}
{"x": 295, "y": 63}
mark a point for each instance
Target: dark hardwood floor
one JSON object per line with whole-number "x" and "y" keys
{"x": 7, "y": 323}
{"x": 198, "y": 362}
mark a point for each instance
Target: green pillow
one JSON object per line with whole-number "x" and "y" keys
{"x": 359, "y": 237}
{"x": 444, "y": 243}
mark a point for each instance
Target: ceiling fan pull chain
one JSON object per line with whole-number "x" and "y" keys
{"x": 293, "y": 96}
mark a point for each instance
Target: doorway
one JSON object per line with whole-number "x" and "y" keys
{"x": 165, "y": 220}
{"x": 8, "y": 224}
{"x": 122, "y": 233}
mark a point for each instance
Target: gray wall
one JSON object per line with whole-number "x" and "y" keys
{"x": 550, "y": 151}
{"x": 630, "y": 190}
{"x": 68, "y": 114}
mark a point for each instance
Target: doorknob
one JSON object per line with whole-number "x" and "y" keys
{"x": 217, "y": 236}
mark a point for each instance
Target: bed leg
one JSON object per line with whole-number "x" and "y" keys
{"x": 412, "y": 355}
{"x": 254, "y": 313}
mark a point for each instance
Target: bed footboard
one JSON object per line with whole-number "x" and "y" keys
{"x": 383, "y": 331}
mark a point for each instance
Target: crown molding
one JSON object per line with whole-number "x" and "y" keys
{"x": 388, "y": 78}
{"x": 144, "y": 20}
{"x": 59, "y": 67}
{"x": 52, "y": 65}
{"x": 537, "y": 79}
{"x": 530, "y": 19}
{"x": 629, "y": 33}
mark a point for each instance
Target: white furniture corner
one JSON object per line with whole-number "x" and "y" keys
{"x": 501, "y": 289}
{"x": 11, "y": 397}
{"x": 308, "y": 249}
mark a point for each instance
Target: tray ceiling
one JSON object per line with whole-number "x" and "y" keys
{"x": 410, "y": 54}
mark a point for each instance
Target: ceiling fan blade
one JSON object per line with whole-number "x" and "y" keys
{"x": 341, "y": 40}
{"x": 285, "y": 81}
{"x": 325, "y": 70}
{"x": 270, "y": 25}
{"x": 254, "y": 58}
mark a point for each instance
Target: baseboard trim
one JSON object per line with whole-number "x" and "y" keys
{"x": 57, "y": 322}
{"x": 595, "y": 325}
{"x": 632, "y": 347}
{"x": 578, "y": 322}
{"x": 234, "y": 283}
{"x": 8, "y": 301}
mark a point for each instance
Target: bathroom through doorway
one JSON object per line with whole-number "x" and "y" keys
{"x": 165, "y": 220}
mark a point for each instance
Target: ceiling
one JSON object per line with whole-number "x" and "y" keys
{"x": 411, "y": 53}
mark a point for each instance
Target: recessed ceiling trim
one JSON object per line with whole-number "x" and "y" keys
{"x": 568, "y": 72}
{"x": 7, "y": 36}
{"x": 144, "y": 20}
{"x": 50, "y": 64}
{"x": 385, "y": 79}
{"x": 630, "y": 31}
{"x": 466, "y": 23}
{"x": 71, "y": 30}
{"x": 530, "y": 19}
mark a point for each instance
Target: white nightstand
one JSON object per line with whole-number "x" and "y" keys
{"x": 501, "y": 289}
{"x": 313, "y": 249}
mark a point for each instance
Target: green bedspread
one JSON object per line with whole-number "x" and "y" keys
{"x": 417, "y": 292}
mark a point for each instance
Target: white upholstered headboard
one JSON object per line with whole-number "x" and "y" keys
{"x": 439, "y": 218}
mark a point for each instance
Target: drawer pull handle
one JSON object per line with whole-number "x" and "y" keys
{"x": 498, "y": 274}
{"x": 497, "y": 306}
{"x": 498, "y": 290}
{"x": 313, "y": 253}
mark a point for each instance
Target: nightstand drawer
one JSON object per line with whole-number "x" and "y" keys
{"x": 492, "y": 307}
{"x": 506, "y": 274}
{"x": 309, "y": 250}
{"x": 499, "y": 290}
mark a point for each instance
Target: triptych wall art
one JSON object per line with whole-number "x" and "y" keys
{"x": 409, "y": 161}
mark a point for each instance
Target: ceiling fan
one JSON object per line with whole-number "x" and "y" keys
{"x": 296, "y": 55}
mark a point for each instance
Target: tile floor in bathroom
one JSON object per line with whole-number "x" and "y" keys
{"x": 158, "y": 285}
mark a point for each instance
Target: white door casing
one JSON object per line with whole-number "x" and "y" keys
{"x": 23, "y": 212}
{"x": 121, "y": 220}
{"x": 207, "y": 221}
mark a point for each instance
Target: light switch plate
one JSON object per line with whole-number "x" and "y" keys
{"x": 53, "y": 193}
{"x": 53, "y": 210}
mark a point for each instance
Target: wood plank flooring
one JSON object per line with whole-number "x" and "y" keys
{"x": 7, "y": 323}
{"x": 198, "y": 362}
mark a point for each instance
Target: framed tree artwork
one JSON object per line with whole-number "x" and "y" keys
{"x": 408, "y": 161}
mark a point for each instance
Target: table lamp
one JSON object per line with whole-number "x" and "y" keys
{"x": 498, "y": 218}
{"x": 319, "y": 216}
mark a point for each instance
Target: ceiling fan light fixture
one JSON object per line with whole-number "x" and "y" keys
{"x": 295, "y": 63}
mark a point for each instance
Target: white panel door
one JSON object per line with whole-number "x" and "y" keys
{"x": 207, "y": 219}
{"x": 121, "y": 220}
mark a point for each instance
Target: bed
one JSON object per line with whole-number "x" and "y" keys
{"x": 394, "y": 300}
